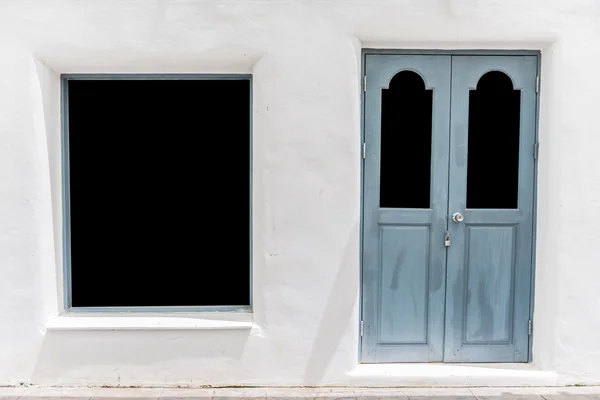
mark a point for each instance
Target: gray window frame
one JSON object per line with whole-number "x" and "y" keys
{"x": 66, "y": 216}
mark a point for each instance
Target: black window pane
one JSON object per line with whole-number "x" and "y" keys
{"x": 159, "y": 192}
{"x": 406, "y": 114}
{"x": 493, "y": 153}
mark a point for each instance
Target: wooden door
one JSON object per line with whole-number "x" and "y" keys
{"x": 405, "y": 206}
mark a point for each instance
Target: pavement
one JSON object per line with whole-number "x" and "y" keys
{"x": 483, "y": 393}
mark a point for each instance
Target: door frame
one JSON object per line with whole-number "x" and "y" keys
{"x": 363, "y": 80}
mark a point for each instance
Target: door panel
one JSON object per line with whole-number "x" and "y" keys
{"x": 404, "y": 282}
{"x": 489, "y": 262}
{"x": 405, "y": 205}
{"x": 488, "y": 273}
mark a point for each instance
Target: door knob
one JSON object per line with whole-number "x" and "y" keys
{"x": 457, "y": 217}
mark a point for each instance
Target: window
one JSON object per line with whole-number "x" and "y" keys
{"x": 493, "y": 156}
{"x": 406, "y": 122}
{"x": 157, "y": 190}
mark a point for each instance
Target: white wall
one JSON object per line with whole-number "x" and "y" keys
{"x": 305, "y": 59}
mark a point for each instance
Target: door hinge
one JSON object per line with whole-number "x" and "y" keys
{"x": 364, "y": 83}
{"x": 536, "y": 150}
{"x": 364, "y": 151}
{"x": 537, "y": 84}
{"x": 362, "y": 328}
{"x": 530, "y": 328}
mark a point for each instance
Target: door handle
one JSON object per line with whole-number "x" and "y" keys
{"x": 457, "y": 217}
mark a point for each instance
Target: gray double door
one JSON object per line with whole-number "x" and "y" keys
{"x": 448, "y": 207}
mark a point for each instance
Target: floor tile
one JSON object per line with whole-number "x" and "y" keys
{"x": 43, "y": 393}
{"x": 439, "y": 393}
{"x": 188, "y": 394}
{"x": 380, "y": 394}
{"x": 127, "y": 393}
{"x": 11, "y": 393}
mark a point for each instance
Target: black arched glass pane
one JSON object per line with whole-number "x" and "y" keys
{"x": 406, "y": 143}
{"x": 493, "y": 153}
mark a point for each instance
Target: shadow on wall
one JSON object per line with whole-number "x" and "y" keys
{"x": 338, "y": 312}
{"x": 131, "y": 358}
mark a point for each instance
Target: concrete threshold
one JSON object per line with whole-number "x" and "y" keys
{"x": 451, "y": 375}
{"x": 514, "y": 393}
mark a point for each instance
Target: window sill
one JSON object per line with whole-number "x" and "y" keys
{"x": 119, "y": 322}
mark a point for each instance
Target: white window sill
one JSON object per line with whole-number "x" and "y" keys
{"x": 421, "y": 374}
{"x": 234, "y": 321}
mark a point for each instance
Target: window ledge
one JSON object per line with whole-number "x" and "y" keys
{"x": 139, "y": 323}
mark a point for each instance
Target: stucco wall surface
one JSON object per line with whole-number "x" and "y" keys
{"x": 305, "y": 61}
